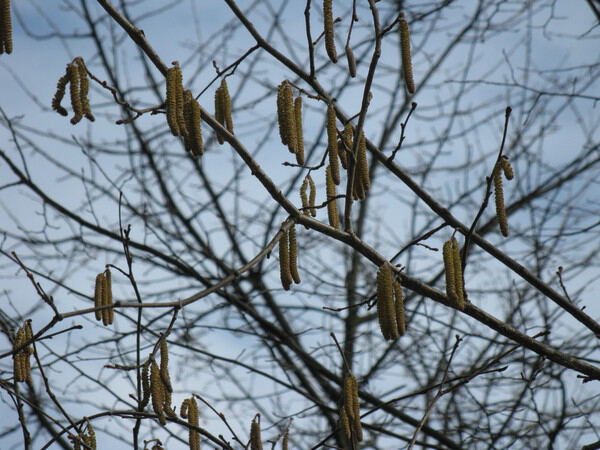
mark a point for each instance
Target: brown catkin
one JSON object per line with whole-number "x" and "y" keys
{"x": 449, "y": 271}
{"x": 351, "y": 61}
{"x": 227, "y": 107}
{"x": 329, "y": 35}
{"x": 284, "y": 261}
{"x": 76, "y": 104}
{"x": 108, "y": 314}
{"x": 219, "y": 113}
{"x": 281, "y": 113}
{"x": 312, "y": 196}
{"x": 345, "y": 422}
{"x": 332, "y": 210}
{"x": 164, "y": 364}
{"x": 304, "y": 197}
{"x": 6, "y": 43}
{"x": 98, "y": 296}
{"x": 145, "y": 383}
{"x": 362, "y": 166}
{"x": 255, "y": 439}
{"x": 499, "y": 197}
{"x": 356, "y": 425}
{"x": 285, "y": 439}
{"x": 294, "y": 255}
{"x": 399, "y": 308}
{"x": 458, "y": 275}
{"x": 193, "y": 138}
{"x": 332, "y": 147}
{"x": 17, "y": 357}
{"x": 172, "y": 89}
{"x": 158, "y": 392}
{"x": 406, "y": 58}
{"x": 59, "y": 94}
{"x": 507, "y": 168}
{"x": 84, "y": 87}
{"x": 299, "y": 132}
{"x": 385, "y": 302}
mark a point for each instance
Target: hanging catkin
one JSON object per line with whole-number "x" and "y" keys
{"x": 499, "y": 198}
{"x": 332, "y": 211}
{"x": 294, "y": 255}
{"x": 284, "y": 261}
{"x": 158, "y": 392}
{"x": 255, "y": 439}
{"x": 6, "y": 43}
{"x": 299, "y": 132}
{"x": 175, "y": 99}
{"x": 406, "y": 57}
{"x": 351, "y": 61}
{"x": 189, "y": 411}
{"x": 329, "y": 34}
{"x": 332, "y": 146}
{"x": 386, "y": 309}
{"x": 191, "y": 112}
{"x": 454, "y": 278}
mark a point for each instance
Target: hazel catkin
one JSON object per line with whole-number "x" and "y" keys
{"x": 332, "y": 146}
{"x": 284, "y": 261}
{"x": 6, "y": 43}
{"x": 329, "y": 33}
{"x": 406, "y": 57}
{"x": 332, "y": 210}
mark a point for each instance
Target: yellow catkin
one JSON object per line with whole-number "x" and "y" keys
{"x": 108, "y": 314}
{"x": 255, "y": 439}
{"x": 227, "y": 107}
{"x": 385, "y": 303}
{"x": 351, "y": 61}
{"x": 406, "y": 58}
{"x": 332, "y": 210}
{"x": 362, "y": 180}
{"x": 499, "y": 197}
{"x": 399, "y": 308}
{"x": 76, "y": 104}
{"x": 98, "y": 296}
{"x": 294, "y": 255}
{"x": 59, "y": 94}
{"x": 329, "y": 35}
{"x": 284, "y": 261}
{"x": 89, "y": 438}
{"x": 171, "y": 102}
{"x": 353, "y": 406}
{"x": 166, "y": 377}
{"x": 507, "y": 168}
{"x": 290, "y": 118}
{"x": 145, "y": 383}
{"x": 281, "y": 113}
{"x": 332, "y": 146}
{"x": 158, "y": 392}
{"x": 84, "y": 87}
{"x": 312, "y": 196}
{"x": 189, "y": 410}
{"x": 299, "y": 132}
{"x": 458, "y": 274}
{"x": 179, "y": 103}
{"x": 6, "y": 43}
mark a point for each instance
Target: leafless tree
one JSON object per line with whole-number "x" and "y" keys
{"x": 192, "y": 242}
